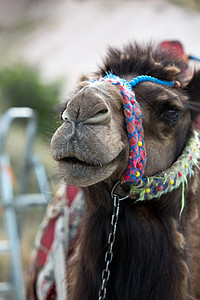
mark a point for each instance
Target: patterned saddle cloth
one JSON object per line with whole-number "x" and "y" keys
{"x": 54, "y": 244}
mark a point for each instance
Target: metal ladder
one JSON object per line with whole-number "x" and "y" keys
{"x": 10, "y": 203}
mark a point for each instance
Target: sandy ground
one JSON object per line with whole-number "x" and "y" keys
{"x": 70, "y": 37}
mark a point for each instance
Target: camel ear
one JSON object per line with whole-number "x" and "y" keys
{"x": 193, "y": 89}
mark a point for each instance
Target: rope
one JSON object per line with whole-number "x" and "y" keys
{"x": 194, "y": 57}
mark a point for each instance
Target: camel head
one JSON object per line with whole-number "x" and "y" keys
{"x": 92, "y": 143}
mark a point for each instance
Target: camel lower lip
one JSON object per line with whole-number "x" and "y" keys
{"x": 80, "y": 173}
{"x": 74, "y": 170}
{"x": 82, "y": 176}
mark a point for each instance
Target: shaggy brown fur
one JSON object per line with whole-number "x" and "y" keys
{"x": 155, "y": 254}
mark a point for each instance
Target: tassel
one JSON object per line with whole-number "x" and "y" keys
{"x": 182, "y": 199}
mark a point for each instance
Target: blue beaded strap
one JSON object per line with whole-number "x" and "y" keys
{"x": 194, "y": 57}
{"x": 142, "y": 78}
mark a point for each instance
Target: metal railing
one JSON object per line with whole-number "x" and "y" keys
{"x": 11, "y": 203}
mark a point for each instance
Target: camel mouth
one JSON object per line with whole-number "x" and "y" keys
{"x": 81, "y": 173}
{"x": 77, "y": 167}
{"x": 73, "y": 160}
{"x": 77, "y": 171}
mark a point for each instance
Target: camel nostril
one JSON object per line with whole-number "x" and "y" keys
{"x": 98, "y": 117}
{"x": 65, "y": 116}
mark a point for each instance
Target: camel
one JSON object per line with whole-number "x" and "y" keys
{"x": 128, "y": 140}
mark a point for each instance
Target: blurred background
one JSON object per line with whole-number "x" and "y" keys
{"x": 45, "y": 46}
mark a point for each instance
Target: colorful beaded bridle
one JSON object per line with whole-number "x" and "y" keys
{"x": 145, "y": 188}
{"x": 133, "y": 120}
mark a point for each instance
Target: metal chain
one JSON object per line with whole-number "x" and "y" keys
{"x": 109, "y": 253}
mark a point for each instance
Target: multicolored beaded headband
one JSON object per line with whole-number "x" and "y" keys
{"x": 147, "y": 188}
{"x": 133, "y": 120}
{"x": 194, "y": 58}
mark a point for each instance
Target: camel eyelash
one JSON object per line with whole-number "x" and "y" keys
{"x": 170, "y": 114}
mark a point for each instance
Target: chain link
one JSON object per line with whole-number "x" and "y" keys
{"x": 109, "y": 253}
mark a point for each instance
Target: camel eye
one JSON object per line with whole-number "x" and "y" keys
{"x": 171, "y": 114}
